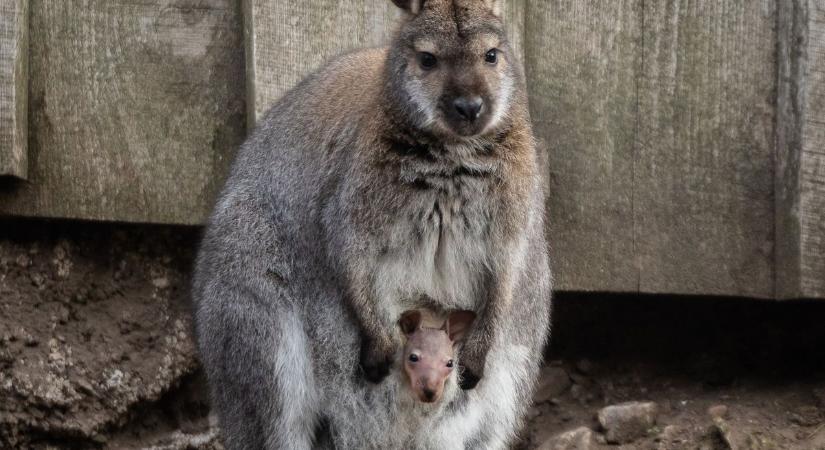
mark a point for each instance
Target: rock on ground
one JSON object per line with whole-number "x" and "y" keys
{"x": 579, "y": 439}
{"x": 553, "y": 382}
{"x": 626, "y": 422}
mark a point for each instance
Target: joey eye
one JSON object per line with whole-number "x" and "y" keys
{"x": 491, "y": 57}
{"x": 427, "y": 61}
{"x": 450, "y": 363}
{"x": 413, "y": 357}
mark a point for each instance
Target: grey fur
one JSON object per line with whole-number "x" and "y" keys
{"x": 342, "y": 210}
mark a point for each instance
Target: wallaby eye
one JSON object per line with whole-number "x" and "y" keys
{"x": 413, "y": 357}
{"x": 427, "y": 60}
{"x": 450, "y": 363}
{"x": 491, "y": 57}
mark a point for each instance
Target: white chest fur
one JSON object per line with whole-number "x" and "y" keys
{"x": 438, "y": 247}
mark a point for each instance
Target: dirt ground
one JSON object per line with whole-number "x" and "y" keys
{"x": 96, "y": 351}
{"x": 724, "y": 373}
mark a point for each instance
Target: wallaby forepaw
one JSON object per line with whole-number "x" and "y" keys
{"x": 468, "y": 380}
{"x": 472, "y": 367}
{"x": 376, "y": 365}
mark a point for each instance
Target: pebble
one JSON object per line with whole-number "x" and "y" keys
{"x": 627, "y": 422}
{"x": 718, "y": 411}
{"x": 554, "y": 382}
{"x": 579, "y": 439}
{"x": 161, "y": 283}
{"x": 584, "y": 366}
{"x": 819, "y": 396}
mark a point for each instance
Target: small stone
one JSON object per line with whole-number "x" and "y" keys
{"x": 626, "y": 422}
{"x": 24, "y": 261}
{"x": 669, "y": 433}
{"x": 819, "y": 396}
{"x": 806, "y": 416}
{"x": 29, "y": 339}
{"x": 724, "y": 431}
{"x": 63, "y": 315}
{"x": 578, "y": 439}
{"x": 161, "y": 283}
{"x": 584, "y": 366}
{"x": 718, "y": 411}
{"x": 554, "y": 382}
{"x": 577, "y": 392}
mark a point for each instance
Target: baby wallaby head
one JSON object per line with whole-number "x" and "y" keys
{"x": 429, "y": 353}
{"x": 451, "y": 68}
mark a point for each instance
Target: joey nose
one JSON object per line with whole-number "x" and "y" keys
{"x": 469, "y": 108}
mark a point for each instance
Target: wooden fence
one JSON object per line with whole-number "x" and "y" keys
{"x": 685, "y": 137}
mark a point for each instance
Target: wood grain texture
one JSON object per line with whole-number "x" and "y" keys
{"x": 812, "y": 163}
{"x": 137, "y": 109}
{"x": 14, "y": 33}
{"x": 286, "y": 40}
{"x": 582, "y": 62}
{"x": 514, "y": 16}
{"x": 703, "y": 189}
{"x": 792, "y": 30}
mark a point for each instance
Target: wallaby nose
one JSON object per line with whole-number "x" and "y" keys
{"x": 469, "y": 107}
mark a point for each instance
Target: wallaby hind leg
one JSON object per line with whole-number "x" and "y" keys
{"x": 258, "y": 360}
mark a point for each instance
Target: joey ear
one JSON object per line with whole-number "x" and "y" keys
{"x": 411, "y": 6}
{"x": 458, "y": 324}
{"x": 410, "y": 321}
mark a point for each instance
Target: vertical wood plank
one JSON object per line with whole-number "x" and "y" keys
{"x": 582, "y": 62}
{"x": 514, "y": 16}
{"x": 137, "y": 109}
{"x": 812, "y": 164}
{"x": 792, "y": 36}
{"x": 286, "y": 40}
{"x": 703, "y": 209}
{"x": 14, "y": 85}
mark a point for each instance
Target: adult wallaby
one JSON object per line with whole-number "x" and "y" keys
{"x": 389, "y": 177}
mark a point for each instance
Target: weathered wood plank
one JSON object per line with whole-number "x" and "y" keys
{"x": 582, "y": 62}
{"x": 791, "y": 39}
{"x": 812, "y": 164}
{"x": 703, "y": 196}
{"x": 286, "y": 40}
{"x": 137, "y": 108}
{"x": 14, "y": 39}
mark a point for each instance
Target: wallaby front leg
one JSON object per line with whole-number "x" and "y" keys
{"x": 474, "y": 353}
{"x": 377, "y": 344}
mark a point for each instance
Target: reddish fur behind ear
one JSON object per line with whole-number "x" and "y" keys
{"x": 458, "y": 324}
{"x": 410, "y": 321}
{"x": 411, "y": 6}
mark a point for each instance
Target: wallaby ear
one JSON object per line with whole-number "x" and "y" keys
{"x": 410, "y": 321}
{"x": 495, "y": 6}
{"x": 411, "y": 6}
{"x": 458, "y": 324}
